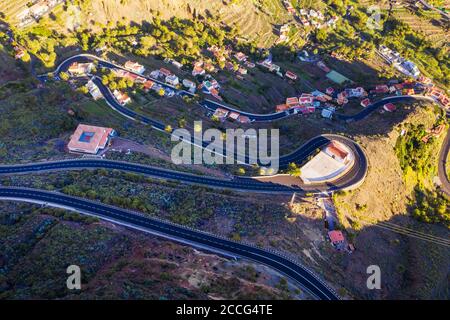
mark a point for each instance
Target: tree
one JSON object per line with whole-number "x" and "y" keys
{"x": 294, "y": 170}
{"x": 64, "y": 76}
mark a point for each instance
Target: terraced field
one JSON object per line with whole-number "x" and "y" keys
{"x": 433, "y": 32}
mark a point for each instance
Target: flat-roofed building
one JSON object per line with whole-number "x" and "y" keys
{"x": 89, "y": 139}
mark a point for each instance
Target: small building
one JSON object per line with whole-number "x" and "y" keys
{"x": 177, "y": 64}
{"x": 154, "y": 74}
{"x": 164, "y": 72}
{"x": 79, "y": 69}
{"x": 305, "y": 100}
{"x": 244, "y": 119}
{"x": 233, "y": 115}
{"x": 365, "y": 102}
{"x": 290, "y": 75}
{"x": 291, "y": 102}
{"x": 19, "y": 52}
{"x": 281, "y": 107}
{"x": 189, "y": 84}
{"x": 241, "y": 57}
{"x": 338, "y": 152}
{"x": 173, "y": 80}
{"x": 242, "y": 71}
{"x": 337, "y": 239}
{"x": 122, "y": 98}
{"x": 134, "y": 67}
{"x": 221, "y": 114}
{"x": 389, "y": 107}
{"x": 328, "y": 165}
{"x": 148, "y": 85}
{"x": 381, "y": 88}
{"x": 90, "y": 139}
{"x": 328, "y": 112}
{"x": 198, "y": 69}
{"x": 94, "y": 90}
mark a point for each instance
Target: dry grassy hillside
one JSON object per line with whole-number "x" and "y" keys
{"x": 254, "y": 19}
{"x": 385, "y": 191}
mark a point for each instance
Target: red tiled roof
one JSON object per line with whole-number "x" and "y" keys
{"x": 334, "y": 149}
{"x": 281, "y": 107}
{"x": 336, "y": 236}
{"x": 89, "y": 139}
{"x": 291, "y": 75}
{"x": 389, "y": 107}
{"x": 165, "y": 72}
{"x": 292, "y": 101}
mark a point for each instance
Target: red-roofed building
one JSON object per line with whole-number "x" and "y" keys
{"x": 243, "y": 119}
{"x": 291, "y": 75}
{"x": 148, "y": 85}
{"x": 336, "y": 238}
{"x": 408, "y": 92}
{"x": 89, "y": 139}
{"x": 198, "y": 69}
{"x": 381, "y": 88}
{"x": 389, "y": 107}
{"x": 281, "y": 107}
{"x": 329, "y": 91}
{"x": 165, "y": 72}
{"x": 123, "y": 98}
{"x": 305, "y": 100}
{"x": 337, "y": 151}
{"x": 76, "y": 68}
{"x": 233, "y": 115}
{"x": 293, "y": 101}
{"x": 134, "y": 66}
{"x": 365, "y": 102}
{"x": 241, "y": 57}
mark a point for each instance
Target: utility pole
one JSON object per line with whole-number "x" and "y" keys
{"x": 291, "y": 203}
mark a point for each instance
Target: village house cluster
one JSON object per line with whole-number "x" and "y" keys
{"x": 222, "y": 114}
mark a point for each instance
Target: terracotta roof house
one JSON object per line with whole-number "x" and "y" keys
{"x": 336, "y": 238}
{"x": 89, "y": 139}
{"x": 241, "y": 57}
{"x": 365, "y": 102}
{"x": 243, "y": 119}
{"x": 337, "y": 151}
{"x": 233, "y": 115}
{"x": 148, "y": 85}
{"x": 293, "y": 101}
{"x": 291, "y": 75}
{"x": 165, "y": 72}
{"x": 76, "y": 68}
{"x": 134, "y": 66}
{"x": 305, "y": 100}
{"x": 329, "y": 91}
{"x": 381, "y": 88}
{"x": 389, "y": 107}
{"x": 198, "y": 69}
{"x": 281, "y": 107}
{"x": 123, "y": 98}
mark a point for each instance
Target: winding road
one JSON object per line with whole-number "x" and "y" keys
{"x": 278, "y": 261}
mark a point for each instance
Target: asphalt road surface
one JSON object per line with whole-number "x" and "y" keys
{"x": 285, "y": 265}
